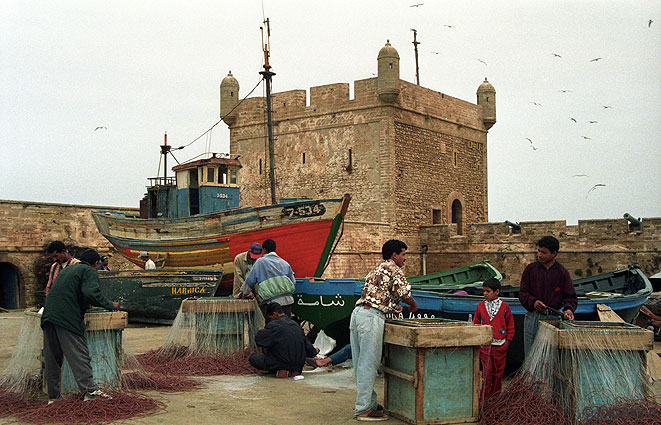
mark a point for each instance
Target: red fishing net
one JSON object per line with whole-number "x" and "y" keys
{"x": 523, "y": 402}
{"x": 179, "y": 360}
{"x": 73, "y": 410}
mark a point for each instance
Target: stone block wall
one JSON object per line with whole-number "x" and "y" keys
{"x": 26, "y": 229}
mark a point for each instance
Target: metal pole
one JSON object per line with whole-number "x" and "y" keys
{"x": 415, "y": 48}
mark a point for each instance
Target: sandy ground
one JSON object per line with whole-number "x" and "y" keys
{"x": 323, "y": 397}
{"x": 320, "y": 398}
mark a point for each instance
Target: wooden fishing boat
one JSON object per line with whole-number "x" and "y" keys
{"x": 465, "y": 275}
{"x": 304, "y": 230}
{"x": 154, "y": 296}
{"x": 327, "y": 304}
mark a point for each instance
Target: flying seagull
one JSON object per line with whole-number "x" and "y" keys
{"x": 536, "y": 104}
{"x": 531, "y": 145}
{"x": 449, "y": 26}
{"x": 581, "y": 175}
{"x": 592, "y": 122}
{"x": 556, "y": 55}
{"x": 481, "y": 61}
{"x": 573, "y": 119}
{"x": 565, "y": 91}
{"x": 436, "y": 53}
{"x": 100, "y": 128}
{"x": 595, "y": 59}
{"x": 586, "y": 137}
{"x": 606, "y": 106}
{"x": 593, "y": 188}
{"x": 417, "y": 5}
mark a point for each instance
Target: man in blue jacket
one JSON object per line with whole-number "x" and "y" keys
{"x": 74, "y": 289}
{"x": 271, "y": 279}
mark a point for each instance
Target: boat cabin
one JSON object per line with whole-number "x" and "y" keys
{"x": 199, "y": 187}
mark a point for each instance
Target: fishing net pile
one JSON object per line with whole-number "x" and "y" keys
{"x": 579, "y": 373}
{"x": 209, "y": 336}
{"x": 115, "y": 369}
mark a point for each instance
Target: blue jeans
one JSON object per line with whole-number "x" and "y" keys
{"x": 530, "y": 326}
{"x": 342, "y": 355}
{"x": 366, "y": 328}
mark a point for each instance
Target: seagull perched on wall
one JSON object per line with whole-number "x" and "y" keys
{"x": 595, "y": 59}
{"x": 593, "y": 188}
{"x": 100, "y": 128}
{"x": 649, "y": 24}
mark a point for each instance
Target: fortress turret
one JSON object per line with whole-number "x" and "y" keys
{"x": 229, "y": 98}
{"x": 486, "y": 97}
{"x": 388, "y": 78}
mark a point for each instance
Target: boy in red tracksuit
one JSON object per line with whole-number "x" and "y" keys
{"x": 494, "y": 312}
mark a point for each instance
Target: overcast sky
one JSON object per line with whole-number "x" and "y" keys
{"x": 141, "y": 68}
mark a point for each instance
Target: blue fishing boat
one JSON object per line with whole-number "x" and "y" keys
{"x": 327, "y": 304}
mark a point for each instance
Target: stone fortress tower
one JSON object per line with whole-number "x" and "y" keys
{"x": 409, "y": 155}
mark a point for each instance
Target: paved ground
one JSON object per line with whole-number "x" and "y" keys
{"x": 324, "y": 397}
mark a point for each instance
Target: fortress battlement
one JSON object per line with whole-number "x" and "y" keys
{"x": 335, "y": 98}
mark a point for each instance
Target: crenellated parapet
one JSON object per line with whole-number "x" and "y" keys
{"x": 591, "y": 247}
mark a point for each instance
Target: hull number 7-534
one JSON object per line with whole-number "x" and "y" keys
{"x": 310, "y": 210}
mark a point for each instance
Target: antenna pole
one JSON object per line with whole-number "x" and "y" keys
{"x": 267, "y": 74}
{"x": 415, "y": 49}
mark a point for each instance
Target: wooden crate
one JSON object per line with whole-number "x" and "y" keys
{"x": 226, "y": 321}
{"x": 578, "y": 370}
{"x": 432, "y": 370}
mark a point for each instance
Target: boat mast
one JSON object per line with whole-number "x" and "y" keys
{"x": 165, "y": 149}
{"x": 267, "y": 74}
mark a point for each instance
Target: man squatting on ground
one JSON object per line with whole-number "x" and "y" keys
{"x": 285, "y": 344}
{"x": 545, "y": 283}
{"x": 61, "y": 259}
{"x": 384, "y": 288}
{"x": 74, "y": 289}
{"x": 272, "y": 280}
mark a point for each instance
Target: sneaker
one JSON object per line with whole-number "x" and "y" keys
{"x": 372, "y": 415}
{"x": 53, "y": 400}
{"x": 94, "y": 394}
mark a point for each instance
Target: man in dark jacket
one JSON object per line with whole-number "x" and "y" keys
{"x": 285, "y": 344}
{"x": 74, "y": 289}
{"x": 545, "y": 284}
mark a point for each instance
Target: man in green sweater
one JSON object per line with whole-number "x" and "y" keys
{"x": 74, "y": 289}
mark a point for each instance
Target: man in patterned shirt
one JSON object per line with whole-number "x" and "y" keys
{"x": 385, "y": 287}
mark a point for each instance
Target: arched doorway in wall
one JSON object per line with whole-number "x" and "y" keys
{"x": 457, "y": 216}
{"x": 9, "y": 290}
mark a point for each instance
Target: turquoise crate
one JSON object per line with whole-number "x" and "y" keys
{"x": 431, "y": 370}
{"x": 582, "y": 378}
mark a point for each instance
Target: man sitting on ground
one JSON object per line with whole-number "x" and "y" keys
{"x": 285, "y": 345}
